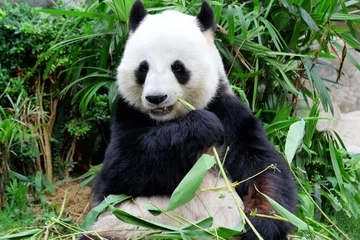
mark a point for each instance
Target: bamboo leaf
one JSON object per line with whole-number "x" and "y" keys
{"x": 309, "y": 21}
{"x": 91, "y": 217}
{"x": 187, "y": 188}
{"x": 22, "y": 234}
{"x": 286, "y": 214}
{"x": 335, "y": 164}
{"x": 231, "y": 25}
{"x": 293, "y": 139}
{"x": 128, "y": 218}
{"x": 76, "y": 14}
{"x": 248, "y": 75}
{"x": 227, "y": 233}
{"x": 204, "y": 223}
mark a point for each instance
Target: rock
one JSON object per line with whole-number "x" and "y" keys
{"x": 345, "y": 99}
{"x": 348, "y": 127}
{"x": 346, "y": 94}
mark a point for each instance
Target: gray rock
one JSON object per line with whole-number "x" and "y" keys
{"x": 346, "y": 101}
{"x": 347, "y": 95}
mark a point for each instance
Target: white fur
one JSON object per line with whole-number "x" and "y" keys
{"x": 162, "y": 39}
{"x": 223, "y": 211}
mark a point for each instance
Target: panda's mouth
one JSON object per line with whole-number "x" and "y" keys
{"x": 162, "y": 110}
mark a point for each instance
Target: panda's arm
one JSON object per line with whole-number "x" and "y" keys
{"x": 250, "y": 153}
{"x": 145, "y": 160}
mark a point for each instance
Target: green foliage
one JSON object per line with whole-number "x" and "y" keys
{"x": 269, "y": 48}
{"x": 41, "y": 73}
{"x": 15, "y": 193}
{"x": 13, "y": 217}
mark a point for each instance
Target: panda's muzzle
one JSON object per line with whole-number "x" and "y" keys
{"x": 162, "y": 110}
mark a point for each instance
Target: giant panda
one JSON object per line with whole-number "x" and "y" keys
{"x": 155, "y": 140}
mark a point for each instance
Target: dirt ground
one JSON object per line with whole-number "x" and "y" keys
{"x": 77, "y": 201}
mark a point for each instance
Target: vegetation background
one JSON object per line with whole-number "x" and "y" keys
{"x": 57, "y": 93}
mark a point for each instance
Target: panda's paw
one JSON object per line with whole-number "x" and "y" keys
{"x": 208, "y": 127}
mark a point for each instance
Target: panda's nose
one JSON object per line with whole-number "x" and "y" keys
{"x": 156, "y": 99}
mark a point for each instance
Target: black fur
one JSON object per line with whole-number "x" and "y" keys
{"x": 141, "y": 72}
{"x": 181, "y": 73}
{"x": 145, "y": 158}
{"x": 137, "y": 14}
{"x": 206, "y": 17}
{"x": 251, "y": 152}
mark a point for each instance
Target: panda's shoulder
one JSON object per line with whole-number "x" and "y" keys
{"x": 226, "y": 102}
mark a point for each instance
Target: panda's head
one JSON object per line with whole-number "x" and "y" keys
{"x": 169, "y": 56}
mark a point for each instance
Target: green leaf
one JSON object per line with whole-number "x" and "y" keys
{"x": 309, "y": 21}
{"x": 227, "y": 233}
{"x": 22, "y": 234}
{"x": 183, "y": 236}
{"x": 248, "y": 75}
{"x": 286, "y": 214}
{"x": 204, "y": 223}
{"x": 187, "y": 188}
{"x": 128, "y": 218}
{"x": 315, "y": 80}
{"x": 306, "y": 204}
{"x": 231, "y": 27}
{"x": 91, "y": 217}
{"x": 282, "y": 114}
{"x": 48, "y": 186}
{"x": 243, "y": 23}
{"x": 335, "y": 164}
{"x": 38, "y": 181}
{"x": 76, "y": 14}
{"x": 270, "y": 128}
{"x": 338, "y": 17}
{"x": 293, "y": 139}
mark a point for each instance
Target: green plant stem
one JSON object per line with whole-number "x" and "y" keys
{"x": 186, "y": 104}
{"x": 63, "y": 205}
{"x": 321, "y": 235}
{"x": 276, "y": 217}
{"x": 242, "y": 214}
{"x": 223, "y": 162}
{"x": 264, "y": 170}
{"x": 233, "y": 185}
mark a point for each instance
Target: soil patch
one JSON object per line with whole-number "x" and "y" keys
{"x": 77, "y": 203}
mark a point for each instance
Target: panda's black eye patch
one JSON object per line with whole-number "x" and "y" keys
{"x": 141, "y": 72}
{"x": 181, "y": 73}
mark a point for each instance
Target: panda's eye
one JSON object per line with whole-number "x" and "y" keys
{"x": 141, "y": 72}
{"x": 181, "y": 73}
{"x": 144, "y": 67}
{"x": 177, "y": 66}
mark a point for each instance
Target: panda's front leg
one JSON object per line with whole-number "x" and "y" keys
{"x": 151, "y": 161}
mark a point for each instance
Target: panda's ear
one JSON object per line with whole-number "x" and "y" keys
{"x": 137, "y": 14}
{"x": 206, "y": 17}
